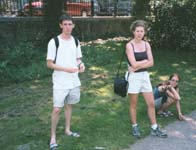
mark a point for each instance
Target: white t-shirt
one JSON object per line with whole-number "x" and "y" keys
{"x": 66, "y": 57}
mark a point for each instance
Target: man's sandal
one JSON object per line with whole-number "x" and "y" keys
{"x": 53, "y": 146}
{"x": 74, "y": 134}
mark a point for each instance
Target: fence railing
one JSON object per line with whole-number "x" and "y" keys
{"x": 9, "y": 7}
{"x": 73, "y": 7}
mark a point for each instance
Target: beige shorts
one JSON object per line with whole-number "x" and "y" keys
{"x": 139, "y": 82}
{"x": 68, "y": 96}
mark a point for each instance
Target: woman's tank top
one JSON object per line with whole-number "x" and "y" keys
{"x": 140, "y": 56}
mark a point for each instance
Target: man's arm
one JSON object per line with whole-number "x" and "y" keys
{"x": 52, "y": 65}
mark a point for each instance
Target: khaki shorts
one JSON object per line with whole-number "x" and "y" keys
{"x": 68, "y": 96}
{"x": 139, "y": 82}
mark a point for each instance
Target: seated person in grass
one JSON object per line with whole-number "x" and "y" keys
{"x": 166, "y": 94}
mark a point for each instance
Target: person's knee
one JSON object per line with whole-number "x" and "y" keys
{"x": 133, "y": 106}
{"x": 151, "y": 104}
{"x": 56, "y": 111}
{"x": 170, "y": 101}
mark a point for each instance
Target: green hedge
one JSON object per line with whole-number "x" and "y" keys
{"x": 174, "y": 26}
{"x": 22, "y": 62}
{"x": 24, "y": 44}
{"x": 22, "y": 50}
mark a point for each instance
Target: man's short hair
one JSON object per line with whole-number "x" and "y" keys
{"x": 65, "y": 17}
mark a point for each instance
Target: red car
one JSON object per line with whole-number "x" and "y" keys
{"x": 73, "y": 8}
{"x": 82, "y": 7}
{"x": 37, "y": 9}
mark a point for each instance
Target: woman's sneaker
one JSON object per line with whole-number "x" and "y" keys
{"x": 136, "y": 131}
{"x": 158, "y": 132}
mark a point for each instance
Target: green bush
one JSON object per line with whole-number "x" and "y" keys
{"x": 174, "y": 26}
{"x": 22, "y": 62}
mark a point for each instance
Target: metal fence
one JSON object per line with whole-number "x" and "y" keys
{"x": 9, "y": 7}
{"x": 73, "y": 7}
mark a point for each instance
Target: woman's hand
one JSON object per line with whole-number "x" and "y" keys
{"x": 165, "y": 87}
{"x": 168, "y": 87}
{"x": 181, "y": 117}
{"x": 131, "y": 69}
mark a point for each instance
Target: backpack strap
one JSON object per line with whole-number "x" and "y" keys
{"x": 56, "y": 40}
{"x": 76, "y": 41}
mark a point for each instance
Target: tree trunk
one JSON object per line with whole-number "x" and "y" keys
{"x": 141, "y": 8}
{"x": 53, "y": 10}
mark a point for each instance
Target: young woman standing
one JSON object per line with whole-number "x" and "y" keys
{"x": 140, "y": 59}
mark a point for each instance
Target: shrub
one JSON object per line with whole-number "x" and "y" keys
{"x": 22, "y": 62}
{"x": 174, "y": 26}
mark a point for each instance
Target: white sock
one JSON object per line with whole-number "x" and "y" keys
{"x": 134, "y": 125}
{"x": 154, "y": 126}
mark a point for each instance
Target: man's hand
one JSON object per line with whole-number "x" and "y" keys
{"x": 81, "y": 67}
{"x": 71, "y": 70}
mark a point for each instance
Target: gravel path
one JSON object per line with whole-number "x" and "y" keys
{"x": 181, "y": 136}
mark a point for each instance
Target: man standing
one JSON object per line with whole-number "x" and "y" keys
{"x": 65, "y": 60}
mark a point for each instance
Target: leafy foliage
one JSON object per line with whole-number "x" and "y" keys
{"x": 22, "y": 62}
{"x": 53, "y": 12}
{"x": 174, "y": 26}
{"x": 141, "y": 8}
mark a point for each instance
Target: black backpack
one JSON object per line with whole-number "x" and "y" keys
{"x": 56, "y": 40}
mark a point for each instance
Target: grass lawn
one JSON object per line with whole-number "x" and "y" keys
{"x": 101, "y": 117}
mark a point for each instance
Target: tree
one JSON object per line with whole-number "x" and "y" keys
{"x": 141, "y": 8}
{"x": 53, "y": 10}
{"x": 173, "y": 26}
